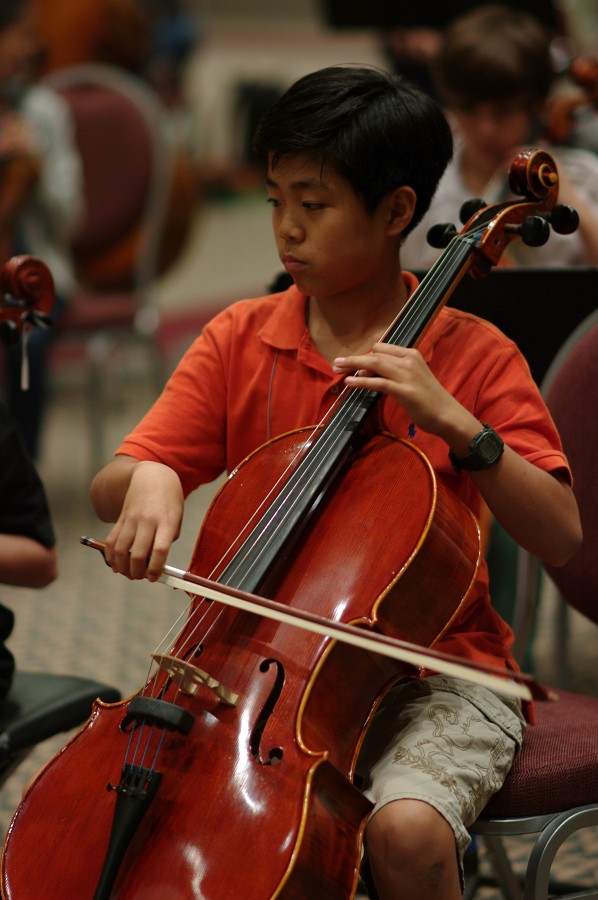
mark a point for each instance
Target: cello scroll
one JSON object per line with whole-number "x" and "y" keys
{"x": 533, "y": 176}
{"x": 26, "y": 296}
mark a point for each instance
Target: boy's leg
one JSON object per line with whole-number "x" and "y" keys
{"x": 412, "y": 853}
{"x": 437, "y": 749}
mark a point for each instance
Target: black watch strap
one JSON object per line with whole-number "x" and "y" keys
{"x": 485, "y": 450}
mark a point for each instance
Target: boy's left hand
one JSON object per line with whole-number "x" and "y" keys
{"x": 403, "y": 374}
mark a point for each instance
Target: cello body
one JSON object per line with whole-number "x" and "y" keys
{"x": 257, "y": 800}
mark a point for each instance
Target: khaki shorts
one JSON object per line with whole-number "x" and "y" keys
{"x": 445, "y": 741}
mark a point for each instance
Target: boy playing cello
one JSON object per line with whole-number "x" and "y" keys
{"x": 354, "y": 157}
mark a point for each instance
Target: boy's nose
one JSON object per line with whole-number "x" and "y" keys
{"x": 289, "y": 229}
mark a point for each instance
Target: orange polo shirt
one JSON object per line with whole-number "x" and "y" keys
{"x": 254, "y": 373}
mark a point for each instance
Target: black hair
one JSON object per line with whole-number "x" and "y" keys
{"x": 10, "y": 10}
{"x": 378, "y": 131}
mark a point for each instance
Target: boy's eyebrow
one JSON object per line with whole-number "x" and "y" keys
{"x": 300, "y": 183}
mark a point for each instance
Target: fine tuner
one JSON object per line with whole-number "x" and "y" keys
{"x": 534, "y": 230}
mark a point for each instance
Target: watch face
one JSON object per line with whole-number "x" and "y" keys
{"x": 485, "y": 451}
{"x": 489, "y": 447}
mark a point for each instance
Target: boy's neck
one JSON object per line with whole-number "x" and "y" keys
{"x": 340, "y": 327}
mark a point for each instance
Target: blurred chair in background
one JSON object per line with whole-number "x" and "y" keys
{"x": 128, "y": 165}
{"x": 552, "y": 788}
{"x": 570, "y": 391}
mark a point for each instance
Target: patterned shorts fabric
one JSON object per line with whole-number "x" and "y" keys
{"x": 444, "y": 741}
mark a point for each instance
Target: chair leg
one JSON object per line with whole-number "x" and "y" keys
{"x": 537, "y": 877}
{"x": 506, "y": 879}
{"x": 560, "y": 659}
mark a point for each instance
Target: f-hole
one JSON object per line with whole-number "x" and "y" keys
{"x": 274, "y": 754}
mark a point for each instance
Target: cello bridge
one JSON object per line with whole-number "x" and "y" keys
{"x": 189, "y": 678}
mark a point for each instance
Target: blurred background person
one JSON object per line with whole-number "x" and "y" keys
{"x": 27, "y": 542}
{"x": 412, "y": 32}
{"x": 40, "y": 194}
{"x": 109, "y": 31}
{"x": 493, "y": 74}
{"x": 153, "y": 39}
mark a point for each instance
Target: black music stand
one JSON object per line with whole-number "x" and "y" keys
{"x": 537, "y": 308}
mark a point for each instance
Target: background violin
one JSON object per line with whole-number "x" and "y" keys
{"x": 565, "y": 110}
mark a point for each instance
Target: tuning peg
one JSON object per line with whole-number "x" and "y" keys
{"x": 564, "y": 219}
{"x": 440, "y": 236}
{"x": 534, "y": 230}
{"x": 470, "y": 208}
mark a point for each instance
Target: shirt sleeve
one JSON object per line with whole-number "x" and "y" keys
{"x": 186, "y": 428}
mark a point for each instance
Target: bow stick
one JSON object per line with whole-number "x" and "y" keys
{"x": 513, "y": 684}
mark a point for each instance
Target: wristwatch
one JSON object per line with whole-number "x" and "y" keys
{"x": 485, "y": 451}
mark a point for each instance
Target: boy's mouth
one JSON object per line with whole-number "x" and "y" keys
{"x": 292, "y": 264}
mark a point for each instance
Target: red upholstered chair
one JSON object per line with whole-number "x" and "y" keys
{"x": 571, "y": 377}
{"x": 552, "y": 789}
{"x": 128, "y": 167}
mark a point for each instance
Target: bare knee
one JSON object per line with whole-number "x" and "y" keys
{"x": 411, "y": 849}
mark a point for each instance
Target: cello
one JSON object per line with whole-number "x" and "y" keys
{"x": 242, "y": 745}
{"x": 26, "y": 297}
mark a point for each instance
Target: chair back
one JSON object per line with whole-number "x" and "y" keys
{"x": 127, "y": 170}
{"x": 571, "y": 393}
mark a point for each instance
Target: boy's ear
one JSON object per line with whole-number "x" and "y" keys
{"x": 401, "y": 207}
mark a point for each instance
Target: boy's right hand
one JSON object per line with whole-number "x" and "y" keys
{"x": 150, "y": 520}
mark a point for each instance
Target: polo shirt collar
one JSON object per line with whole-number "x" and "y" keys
{"x": 286, "y": 328}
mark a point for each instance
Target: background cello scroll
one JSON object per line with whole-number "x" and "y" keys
{"x": 26, "y": 298}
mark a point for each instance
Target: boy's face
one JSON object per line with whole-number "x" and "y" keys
{"x": 494, "y": 131}
{"x": 325, "y": 238}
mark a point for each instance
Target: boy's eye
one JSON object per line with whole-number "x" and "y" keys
{"x": 311, "y": 205}
{"x": 273, "y": 201}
